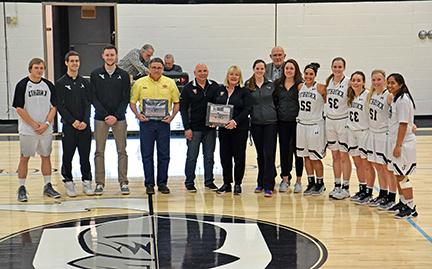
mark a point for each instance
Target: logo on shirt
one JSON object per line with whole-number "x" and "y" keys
{"x": 38, "y": 92}
{"x": 102, "y": 76}
{"x": 222, "y": 93}
{"x": 68, "y": 87}
{"x": 194, "y": 91}
{"x": 82, "y": 86}
{"x": 119, "y": 77}
{"x": 164, "y": 86}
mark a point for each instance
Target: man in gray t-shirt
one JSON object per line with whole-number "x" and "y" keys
{"x": 34, "y": 101}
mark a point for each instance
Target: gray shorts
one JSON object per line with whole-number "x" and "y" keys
{"x": 32, "y": 144}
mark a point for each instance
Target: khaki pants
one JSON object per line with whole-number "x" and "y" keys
{"x": 119, "y": 131}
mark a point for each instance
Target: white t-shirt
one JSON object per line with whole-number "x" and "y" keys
{"x": 401, "y": 111}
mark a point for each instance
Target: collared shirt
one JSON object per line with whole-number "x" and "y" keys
{"x": 133, "y": 63}
{"x": 272, "y": 72}
{"x": 147, "y": 88}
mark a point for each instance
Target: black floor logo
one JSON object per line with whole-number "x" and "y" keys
{"x": 163, "y": 241}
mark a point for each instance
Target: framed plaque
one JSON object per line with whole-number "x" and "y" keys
{"x": 155, "y": 109}
{"x": 218, "y": 115}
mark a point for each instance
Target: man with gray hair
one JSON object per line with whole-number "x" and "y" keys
{"x": 274, "y": 69}
{"x": 169, "y": 66}
{"x": 137, "y": 60}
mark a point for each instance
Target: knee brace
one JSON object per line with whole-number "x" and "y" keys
{"x": 405, "y": 183}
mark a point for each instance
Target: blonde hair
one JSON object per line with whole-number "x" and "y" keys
{"x": 234, "y": 68}
{"x": 372, "y": 89}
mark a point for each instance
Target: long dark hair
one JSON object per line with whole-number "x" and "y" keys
{"x": 403, "y": 87}
{"x": 351, "y": 93}
{"x": 332, "y": 75}
{"x": 280, "y": 82}
{"x": 252, "y": 81}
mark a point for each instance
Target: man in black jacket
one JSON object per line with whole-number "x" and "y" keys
{"x": 73, "y": 104}
{"x": 111, "y": 94}
{"x": 193, "y": 108}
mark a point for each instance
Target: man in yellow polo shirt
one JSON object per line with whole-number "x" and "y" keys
{"x": 151, "y": 89}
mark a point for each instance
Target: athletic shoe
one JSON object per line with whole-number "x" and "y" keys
{"x": 237, "y": 189}
{"x": 363, "y": 199}
{"x": 259, "y": 189}
{"x": 22, "y": 194}
{"x": 163, "y": 189}
{"x": 191, "y": 188}
{"x": 99, "y": 189}
{"x": 356, "y": 196}
{"x": 268, "y": 193}
{"x": 334, "y": 191}
{"x": 297, "y": 187}
{"x": 405, "y": 211}
{"x": 70, "y": 189}
{"x": 150, "y": 190}
{"x": 50, "y": 192}
{"x": 375, "y": 202}
{"x": 395, "y": 209}
{"x": 386, "y": 205}
{"x": 225, "y": 188}
{"x": 318, "y": 190}
{"x": 211, "y": 187}
{"x": 283, "y": 186}
{"x": 309, "y": 189}
{"x": 124, "y": 189}
{"x": 342, "y": 194}
{"x": 87, "y": 187}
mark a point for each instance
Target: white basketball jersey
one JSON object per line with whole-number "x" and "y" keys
{"x": 336, "y": 106}
{"x": 311, "y": 104}
{"x": 379, "y": 112}
{"x": 358, "y": 117}
{"x": 401, "y": 111}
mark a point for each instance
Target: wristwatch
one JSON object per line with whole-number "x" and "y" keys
{"x": 48, "y": 123}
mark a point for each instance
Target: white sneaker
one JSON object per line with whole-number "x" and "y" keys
{"x": 283, "y": 186}
{"x": 70, "y": 189}
{"x": 297, "y": 187}
{"x": 342, "y": 194}
{"x": 87, "y": 188}
{"x": 334, "y": 191}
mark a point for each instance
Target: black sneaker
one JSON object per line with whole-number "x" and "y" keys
{"x": 395, "y": 209}
{"x": 22, "y": 194}
{"x": 356, "y": 196}
{"x": 310, "y": 188}
{"x": 211, "y": 187}
{"x": 50, "y": 192}
{"x": 363, "y": 199}
{"x": 164, "y": 189}
{"x": 191, "y": 188}
{"x": 150, "y": 189}
{"x": 405, "y": 211}
{"x": 237, "y": 189}
{"x": 225, "y": 188}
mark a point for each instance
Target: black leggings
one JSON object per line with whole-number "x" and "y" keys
{"x": 233, "y": 145}
{"x": 287, "y": 146}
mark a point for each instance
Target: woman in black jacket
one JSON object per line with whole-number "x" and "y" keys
{"x": 287, "y": 105}
{"x": 233, "y": 137}
{"x": 263, "y": 127}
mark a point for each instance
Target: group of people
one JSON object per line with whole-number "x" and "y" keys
{"x": 375, "y": 127}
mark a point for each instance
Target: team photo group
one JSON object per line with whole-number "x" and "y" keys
{"x": 364, "y": 119}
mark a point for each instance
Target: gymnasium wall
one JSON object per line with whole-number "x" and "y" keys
{"x": 368, "y": 35}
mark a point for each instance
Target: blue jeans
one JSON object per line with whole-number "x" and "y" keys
{"x": 151, "y": 132}
{"x": 208, "y": 140}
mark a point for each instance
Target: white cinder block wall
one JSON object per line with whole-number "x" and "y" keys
{"x": 368, "y": 35}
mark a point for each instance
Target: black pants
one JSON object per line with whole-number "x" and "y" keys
{"x": 233, "y": 145}
{"x": 287, "y": 147}
{"x": 72, "y": 139}
{"x": 264, "y": 137}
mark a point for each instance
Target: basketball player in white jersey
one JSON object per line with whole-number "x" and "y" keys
{"x": 358, "y": 125}
{"x": 378, "y": 101}
{"x": 402, "y": 144}
{"x": 336, "y": 111}
{"x": 311, "y": 141}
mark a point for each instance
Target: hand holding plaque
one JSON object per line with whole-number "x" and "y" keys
{"x": 218, "y": 115}
{"x": 155, "y": 109}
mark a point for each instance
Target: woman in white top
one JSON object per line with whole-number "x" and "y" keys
{"x": 358, "y": 125}
{"x": 311, "y": 141}
{"x": 336, "y": 111}
{"x": 402, "y": 144}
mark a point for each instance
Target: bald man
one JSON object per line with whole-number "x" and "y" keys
{"x": 193, "y": 108}
{"x": 274, "y": 69}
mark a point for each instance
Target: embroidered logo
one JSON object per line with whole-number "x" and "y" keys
{"x": 68, "y": 87}
{"x": 82, "y": 86}
{"x": 102, "y": 76}
{"x": 119, "y": 77}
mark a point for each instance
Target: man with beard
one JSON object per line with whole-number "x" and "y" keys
{"x": 111, "y": 93}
